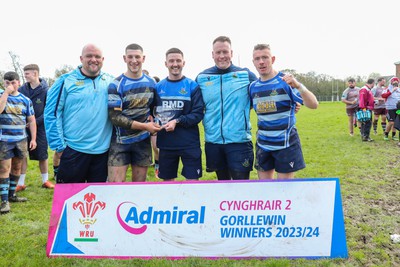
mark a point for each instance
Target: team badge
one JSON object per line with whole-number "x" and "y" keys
{"x": 246, "y": 163}
{"x": 183, "y": 91}
{"x": 273, "y": 93}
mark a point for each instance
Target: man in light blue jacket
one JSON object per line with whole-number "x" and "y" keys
{"x": 76, "y": 120}
{"x": 229, "y": 150}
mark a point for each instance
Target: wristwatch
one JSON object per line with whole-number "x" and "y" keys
{"x": 178, "y": 120}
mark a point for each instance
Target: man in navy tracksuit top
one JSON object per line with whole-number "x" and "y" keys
{"x": 229, "y": 150}
{"x": 36, "y": 90}
{"x": 180, "y": 136}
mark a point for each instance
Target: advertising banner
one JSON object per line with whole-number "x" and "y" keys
{"x": 238, "y": 219}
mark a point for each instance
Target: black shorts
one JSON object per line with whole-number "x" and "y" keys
{"x": 236, "y": 157}
{"x": 78, "y": 167}
{"x": 391, "y": 114}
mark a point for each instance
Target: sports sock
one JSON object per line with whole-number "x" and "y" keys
{"x": 375, "y": 125}
{"x": 45, "y": 177}
{"x": 13, "y": 185}
{"x": 393, "y": 134}
{"x": 383, "y": 126}
{"x": 21, "y": 180}
{"x": 4, "y": 187}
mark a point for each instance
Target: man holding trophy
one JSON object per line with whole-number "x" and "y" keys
{"x": 179, "y": 109}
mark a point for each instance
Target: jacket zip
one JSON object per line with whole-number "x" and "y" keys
{"x": 222, "y": 110}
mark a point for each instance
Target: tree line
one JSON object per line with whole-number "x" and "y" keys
{"x": 324, "y": 86}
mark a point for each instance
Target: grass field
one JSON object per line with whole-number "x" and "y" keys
{"x": 370, "y": 185}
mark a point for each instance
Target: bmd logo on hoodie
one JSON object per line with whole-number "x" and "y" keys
{"x": 135, "y": 220}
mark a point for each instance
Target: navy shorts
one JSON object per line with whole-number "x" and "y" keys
{"x": 40, "y": 152}
{"x": 236, "y": 156}
{"x": 10, "y": 150}
{"x": 78, "y": 167}
{"x": 283, "y": 161}
{"x": 168, "y": 163}
{"x": 137, "y": 154}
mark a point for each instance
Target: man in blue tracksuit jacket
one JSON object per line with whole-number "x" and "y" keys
{"x": 224, "y": 87}
{"x": 76, "y": 120}
{"x": 180, "y": 137}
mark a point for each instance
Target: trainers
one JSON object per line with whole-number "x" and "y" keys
{"x": 394, "y": 138}
{"x": 386, "y": 138}
{"x": 20, "y": 188}
{"x": 351, "y": 134}
{"x": 5, "y": 207}
{"x": 17, "y": 199}
{"x": 375, "y": 132}
{"x": 48, "y": 184}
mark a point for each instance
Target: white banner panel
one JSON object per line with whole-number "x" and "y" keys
{"x": 241, "y": 219}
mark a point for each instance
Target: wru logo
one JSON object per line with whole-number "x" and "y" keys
{"x": 88, "y": 209}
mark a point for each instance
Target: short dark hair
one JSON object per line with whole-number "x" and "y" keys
{"x": 261, "y": 47}
{"x": 11, "y": 76}
{"x": 133, "y": 47}
{"x": 31, "y": 67}
{"x": 222, "y": 39}
{"x": 351, "y": 80}
{"x": 380, "y": 79}
{"x": 156, "y": 78}
{"x": 173, "y": 50}
{"x": 371, "y": 81}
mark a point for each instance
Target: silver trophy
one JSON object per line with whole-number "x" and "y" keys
{"x": 163, "y": 114}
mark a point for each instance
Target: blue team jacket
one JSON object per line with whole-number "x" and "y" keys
{"x": 76, "y": 113}
{"x": 227, "y": 104}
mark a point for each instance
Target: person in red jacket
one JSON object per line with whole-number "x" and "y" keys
{"x": 366, "y": 102}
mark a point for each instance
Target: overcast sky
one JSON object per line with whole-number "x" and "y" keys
{"x": 338, "y": 38}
